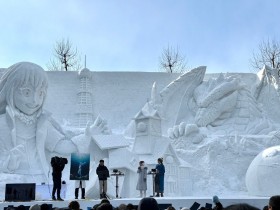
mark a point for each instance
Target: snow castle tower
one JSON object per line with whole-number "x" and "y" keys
{"x": 148, "y": 129}
{"x": 85, "y": 107}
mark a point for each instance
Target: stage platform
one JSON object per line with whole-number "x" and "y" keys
{"x": 177, "y": 202}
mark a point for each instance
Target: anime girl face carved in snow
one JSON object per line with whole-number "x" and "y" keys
{"x": 23, "y": 87}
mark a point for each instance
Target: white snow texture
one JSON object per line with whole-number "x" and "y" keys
{"x": 217, "y": 134}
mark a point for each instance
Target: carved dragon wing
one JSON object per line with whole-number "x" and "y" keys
{"x": 174, "y": 98}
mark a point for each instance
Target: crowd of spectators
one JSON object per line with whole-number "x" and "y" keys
{"x": 150, "y": 203}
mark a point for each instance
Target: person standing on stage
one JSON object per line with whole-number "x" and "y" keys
{"x": 159, "y": 179}
{"x": 80, "y": 184}
{"x": 58, "y": 164}
{"x": 142, "y": 179}
{"x": 103, "y": 173}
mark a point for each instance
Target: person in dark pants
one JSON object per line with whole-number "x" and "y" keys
{"x": 80, "y": 184}
{"x": 58, "y": 164}
{"x": 103, "y": 173}
{"x": 159, "y": 179}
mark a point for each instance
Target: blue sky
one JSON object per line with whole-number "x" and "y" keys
{"x": 129, "y": 35}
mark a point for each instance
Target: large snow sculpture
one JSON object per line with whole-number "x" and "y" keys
{"x": 211, "y": 121}
{"x": 262, "y": 177}
{"x": 29, "y": 135}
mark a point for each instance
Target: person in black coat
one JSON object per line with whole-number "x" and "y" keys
{"x": 103, "y": 173}
{"x": 58, "y": 164}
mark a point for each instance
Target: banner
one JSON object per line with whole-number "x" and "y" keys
{"x": 79, "y": 168}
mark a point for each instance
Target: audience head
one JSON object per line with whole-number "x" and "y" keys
{"x": 104, "y": 200}
{"x": 170, "y": 208}
{"x": 216, "y": 199}
{"x": 265, "y": 208}
{"x": 21, "y": 207}
{"x": 74, "y": 205}
{"x": 44, "y": 206}
{"x": 35, "y": 207}
{"x": 148, "y": 204}
{"x": 11, "y": 208}
{"x": 185, "y": 208}
{"x": 130, "y": 206}
{"x": 122, "y": 207}
{"x": 105, "y": 206}
{"x": 274, "y": 202}
{"x": 241, "y": 206}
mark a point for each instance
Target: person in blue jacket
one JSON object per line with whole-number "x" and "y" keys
{"x": 159, "y": 179}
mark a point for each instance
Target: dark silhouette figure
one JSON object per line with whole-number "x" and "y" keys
{"x": 58, "y": 164}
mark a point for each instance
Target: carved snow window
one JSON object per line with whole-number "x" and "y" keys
{"x": 183, "y": 173}
{"x": 171, "y": 169}
{"x": 85, "y": 98}
{"x": 84, "y": 84}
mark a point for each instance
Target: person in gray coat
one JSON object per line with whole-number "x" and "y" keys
{"x": 142, "y": 179}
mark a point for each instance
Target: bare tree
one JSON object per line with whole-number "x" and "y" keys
{"x": 268, "y": 54}
{"x": 66, "y": 57}
{"x": 172, "y": 61}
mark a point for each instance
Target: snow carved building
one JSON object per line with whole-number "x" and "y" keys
{"x": 85, "y": 99}
{"x": 149, "y": 145}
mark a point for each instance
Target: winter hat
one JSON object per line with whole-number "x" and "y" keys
{"x": 185, "y": 208}
{"x": 148, "y": 204}
{"x": 216, "y": 199}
